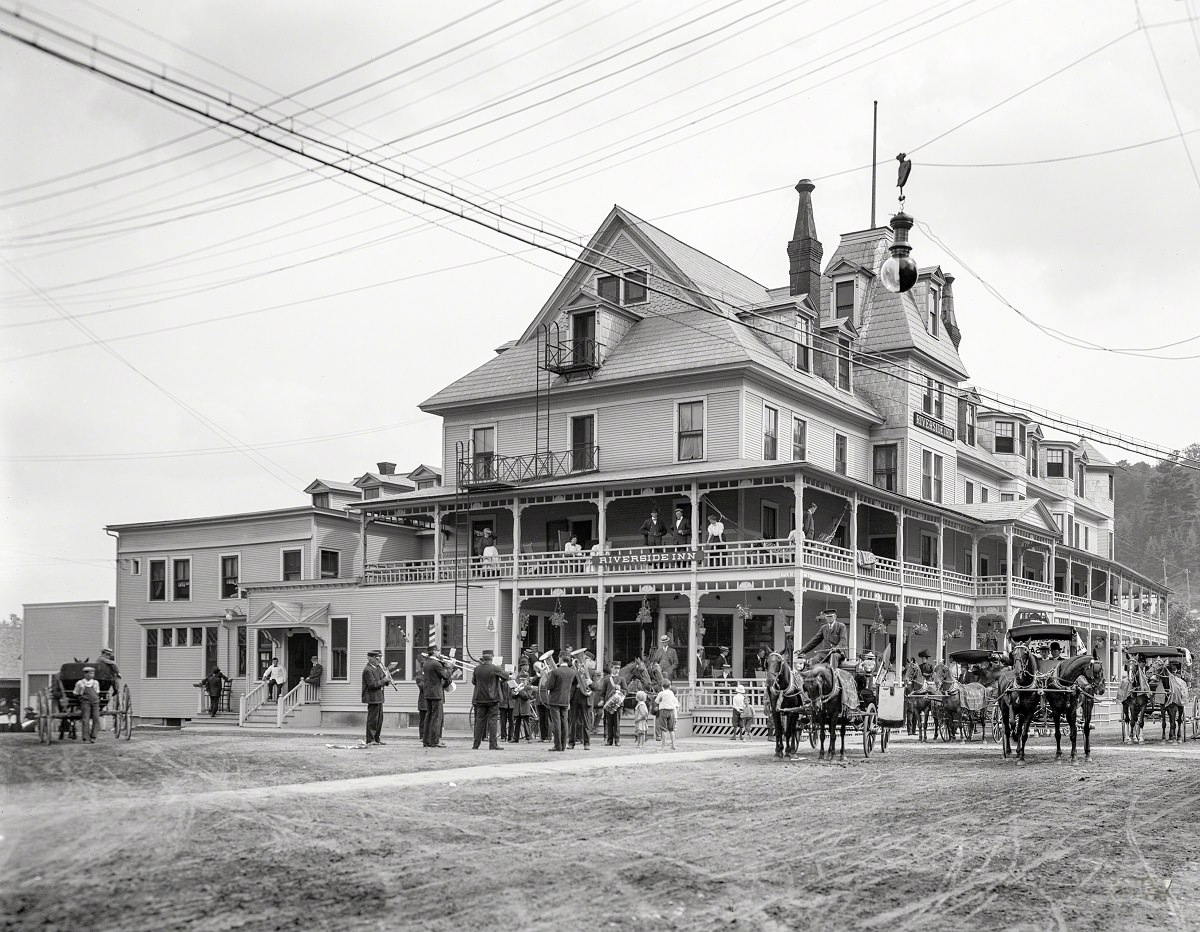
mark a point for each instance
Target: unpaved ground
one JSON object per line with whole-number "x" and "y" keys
{"x": 132, "y": 836}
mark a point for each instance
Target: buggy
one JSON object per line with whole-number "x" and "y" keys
{"x": 987, "y": 714}
{"x": 59, "y": 703}
{"x": 1161, "y": 661}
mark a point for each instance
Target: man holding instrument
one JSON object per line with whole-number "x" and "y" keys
{"x": 374, "y": 679}
{"x": 488, "y": 680}
{"x": 438, "y": 675}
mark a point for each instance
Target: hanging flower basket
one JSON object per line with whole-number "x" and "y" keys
{"x": 920, "y": 628}
{"x": 557, "y": 617}
{"x": 956, "y": 633}
{"x": 743, "y": 611}
{"x": 880, "y": 627}
{"x": 644, "y": 616}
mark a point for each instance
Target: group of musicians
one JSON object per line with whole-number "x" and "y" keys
{"x": 560, "y": 689}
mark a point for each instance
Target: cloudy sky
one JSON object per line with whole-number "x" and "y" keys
{"x": 195, "y": 323}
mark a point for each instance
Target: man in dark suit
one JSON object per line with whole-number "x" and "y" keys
{"x": 830, "y": 641}
{"x": 703, "y": 667}
{"x": 653, "y": 529}
{"x": 488, "y": 680}
{"x": 437, "y": 678}
{"x": 664, "y": 655}
{"x": 613, "y": 683}
{"x": 374, "y": 679}
{"x": 681, "y": 530}
{"x": 581, "y": 700}
{"x": 558, "y": 684}
{"x": 315, "y": 674}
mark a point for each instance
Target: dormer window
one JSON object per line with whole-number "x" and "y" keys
{"x": 966, "y": 422}
{"x": 1055, "y": 464}
{"x": 321, "y": 500}
{"x": 1032, "y": 465}
{"x": 843, "y": 372}
{"x": 1005, "y": 437}
{"x": 803, "y": 345}
{"x": 629, "y": 288}
{"x": 844, "y": 300}
{"x": 933, "y": 317}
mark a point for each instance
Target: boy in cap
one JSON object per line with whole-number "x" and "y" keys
{"x": 374, "y": 678}
{"x": 667, "y": 706}
{"x": 88, "y": 692}
{"x": 739, "y": 706}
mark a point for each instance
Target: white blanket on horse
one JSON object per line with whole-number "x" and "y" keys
{"x": 1179, "y": 691}
{"x": 972, "y": 696}
{"x": 849, "y": 691}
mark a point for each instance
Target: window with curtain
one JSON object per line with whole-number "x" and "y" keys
{"x": 395, "y": 630}
{"x": 803, "y": 345}
{"x": 230, "y": 576}
{"x": 770, "y": 433}
{"x": 885, "y": 467}
{"x": 691, "y": 430}
{"x": 839, "y": 454}
{"x": 422, "y": 627}
{"x": 799, "y": 439}
{"x": 339, "y": 648}
{"x": 151, "y": 652}
{"x": 181, "y": 574}
{"x": 158, "y": 580}
{"x": 931, "y": 476}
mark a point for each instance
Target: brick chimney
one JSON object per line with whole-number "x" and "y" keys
{"x": 386, "y": 469}
{"x": 805, "y": 251}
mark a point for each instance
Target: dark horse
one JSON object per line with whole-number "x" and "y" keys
{"x": 1174, "y": 696}
{"x": 1064, "y": 693}
{"x": 950, "y": 706}
{"x": 822, "y": 689}
{"x": 1135, "y": 695}
{"x": 786, "y": 701}
{"x": 916, "y": 700}
{"x": 1018, "y": 700}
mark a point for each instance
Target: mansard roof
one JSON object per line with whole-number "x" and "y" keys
{"x": 889, "y": 323}
{"x": 1094, "y": 456}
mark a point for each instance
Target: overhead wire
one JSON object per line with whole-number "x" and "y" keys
{"x": 460, "y": 212}
{"x": 1167, "y": 93}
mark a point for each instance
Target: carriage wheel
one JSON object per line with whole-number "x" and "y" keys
{"x": 123, "y": 721}
{"x": 42, "y": 713}
{"x": 968, "y": 727}
{"x": 884, "y": 733}
{"x": 868, "y": 730}
{"x": 997, "y": 724}
{"x": 1124, "y": 726}
{"x": 812, "y": 734}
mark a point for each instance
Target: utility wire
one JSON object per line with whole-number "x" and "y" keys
{"x": 1167, "y": 93}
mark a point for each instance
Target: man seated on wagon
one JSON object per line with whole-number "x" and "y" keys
{"x": 829, "y": 641}
{"x": 864, "y": 677}
{"x": 1047, "y": 662}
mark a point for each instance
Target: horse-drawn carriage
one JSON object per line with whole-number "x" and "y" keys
{"x": 1153, "y": 687}
{"x": 857, "y": 696}
{"x": 1046, "y": 689}
{"x": 972, "y": 694}
{"x": 58, "y": 703}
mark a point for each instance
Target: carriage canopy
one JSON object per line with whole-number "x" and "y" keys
{"x": 1152, "y": 651}
{"x": 972, "y": 655}
{"x": 1042, "y": 633}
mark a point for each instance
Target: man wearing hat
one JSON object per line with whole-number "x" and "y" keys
{"x": 88, "y": 691}
{"x": 829, "y": 641}
{"x": 108, "y": 664}
{"x": 666, "y": 658}
{"x": 437, "y": 675}
{"x": 557, "y": 685}
{"x": 374, "y": 679}
{"x": 613, "y": 683}
{"x": 488, "y": 680}
{"x": 1048, "y": 662}
{"x": 214, "y": 685}
{"x": 580, "y": 701}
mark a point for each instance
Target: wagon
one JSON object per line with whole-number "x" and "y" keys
{"x": 988, "y": 718}
{"x": 1033, "y": 636}
{"x": 59, "y": 703}
{"x": 1169, "y": 658}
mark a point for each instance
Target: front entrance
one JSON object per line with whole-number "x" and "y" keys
{"x": 301, "y": 649}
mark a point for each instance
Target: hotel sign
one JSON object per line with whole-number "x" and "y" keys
{"x": 934, "y": 426}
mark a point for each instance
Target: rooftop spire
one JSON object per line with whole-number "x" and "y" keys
{"x": 805, "y": 250}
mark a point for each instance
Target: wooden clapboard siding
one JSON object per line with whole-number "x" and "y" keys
{"x": 342, "y": 536}
{"x": 55, "y": 633}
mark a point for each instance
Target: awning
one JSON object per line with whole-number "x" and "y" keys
{"x": 311, "y": 615}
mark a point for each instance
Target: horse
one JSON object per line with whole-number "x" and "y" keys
{"x": 1135, "y": 695}
{"x": 916, "y": 700}
{"x": 1063, "y": 695}
{"x": 1018, "y": 700}
{"x": 1174, "y": 697}
{"x": 822, "y": 689}
{"x": 950, "y": 707}
{"x": 785, "y": 698}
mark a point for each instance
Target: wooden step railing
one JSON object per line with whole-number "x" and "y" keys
{"x": 301, "y": 695}
{"x": 251, "y": 701}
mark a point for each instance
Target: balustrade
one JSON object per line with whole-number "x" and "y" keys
{"x": 251, "y": 701}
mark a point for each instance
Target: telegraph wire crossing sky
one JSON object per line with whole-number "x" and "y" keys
{"x": 301, "y": 316}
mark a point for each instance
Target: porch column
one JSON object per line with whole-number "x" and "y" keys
{"x": 694, "y": 499}
{"x": 852, "y": 622}
{"x": 853, "y": 528}
{"x": 515, "y": 648}
{"x": 599, "y": 599}
{"x": 437, "y": 541}
{"x": 1070, "y": 580}
{"x": 601, "y": 522}
{"x": 693, "y": 622}
{"x": 516, "y": 509}
{"x": 941, "y": 554}
{"x": 362, "y": 545}
{"x": 1008, "y": 583}
{"x": 974, "y": 632}
{"x": 798, "y": 560}
{"x": 901, "y": 652}
{"x": 941, "y": 644}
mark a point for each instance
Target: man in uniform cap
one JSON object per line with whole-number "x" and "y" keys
{"x": 374, "y": 679}
{"x": 488, "y": 680}
{"x": 88, "y": 691}
{"x": 829, "y": 641}
{"x": 437, "y": 675}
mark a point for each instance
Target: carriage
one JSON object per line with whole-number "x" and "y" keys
{"x": 58, "y": 703}
{"x": 984, "y": 713}
{"x": 1158, "y": 660}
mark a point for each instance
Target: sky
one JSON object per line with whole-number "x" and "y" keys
{"x": 194, "y": 321}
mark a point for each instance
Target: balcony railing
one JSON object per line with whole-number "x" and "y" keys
{"x": 489, "y": 469}
{"x": 922, "y": 577}
{"x": 828, "y": 557}
{"x": 574, "y": 357}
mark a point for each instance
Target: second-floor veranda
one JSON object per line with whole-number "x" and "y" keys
{"x": 856, "y": 534}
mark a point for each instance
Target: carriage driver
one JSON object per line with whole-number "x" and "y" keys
{"x": 829, "y": 642}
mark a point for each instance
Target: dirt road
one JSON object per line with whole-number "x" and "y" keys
{"x": 175, "y": 831}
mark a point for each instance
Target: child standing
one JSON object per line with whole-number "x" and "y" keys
{"x": 739, "y": 707}
{"x": 88, "y": 691}
{"x": 641, "y": 718}
{"x": 667, "y": 706}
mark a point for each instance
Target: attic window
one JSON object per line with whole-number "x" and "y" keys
{"x": 803, "y": 347}
{"x": 629, "y": 288}
{"x": 843, "y": 371}
{"x": 1004, "y": 437}
{"x": 844, "y": 299}
{"x": 933, "y": 316}
{"x": 321, "y": 500}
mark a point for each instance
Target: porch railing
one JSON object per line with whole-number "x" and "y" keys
{"x": 1033, "y": 589}
{"x": 719, "y": 693}
{"x": 557, "y": 564}
{"x": 251, "y": 700}
{"x": 399, "y": 571}
{"x": 748, "y": 554}
{"x": 992, "y": 586}
{"x": 489, "y": 469}
{"x": 497, "y": 567}
{"x": 303, "y": 694}
{"x": 922, "y": 577}
{"x": 665, "y": 559}
{"x": 880, "y": 568}
{"x": 828, "y": 557}
{"x": 958, "y": 583}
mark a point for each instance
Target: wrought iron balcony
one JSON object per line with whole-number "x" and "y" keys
{"x": 488, "y": 470}
{"x": 573, "y": 358}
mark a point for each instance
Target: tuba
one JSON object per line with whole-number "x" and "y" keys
{"x": 579, "y": 663}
